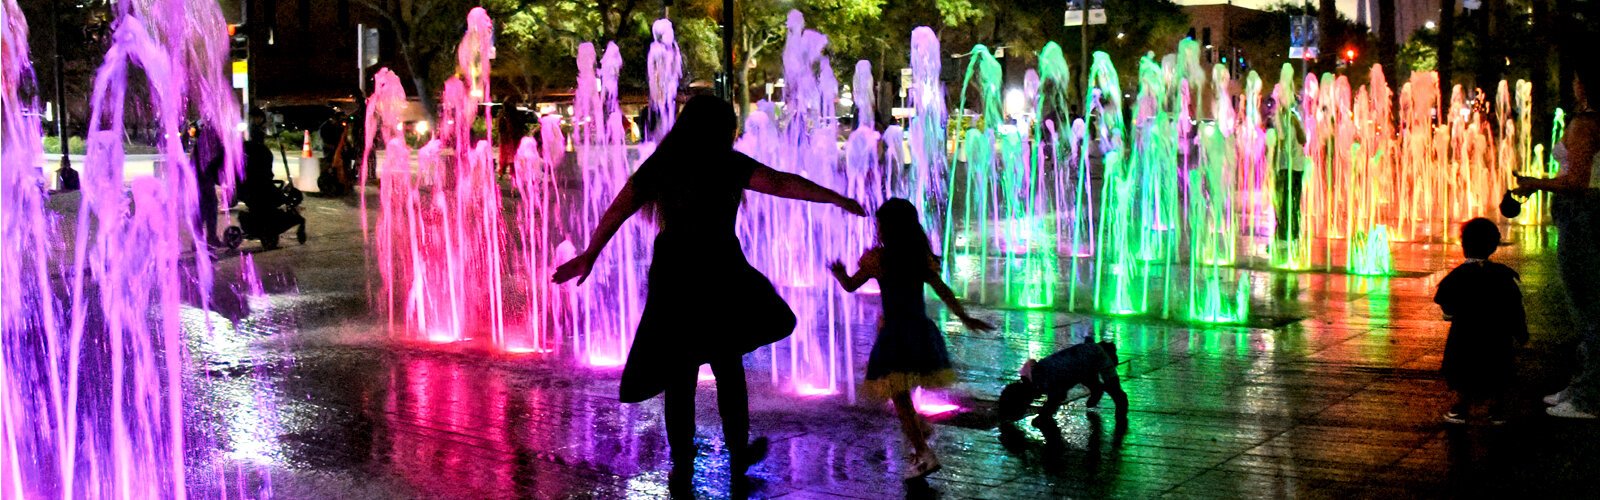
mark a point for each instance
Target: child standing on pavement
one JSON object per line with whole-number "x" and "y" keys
{"x": 910, "y": 350}
{"x": 1483, "y": 303}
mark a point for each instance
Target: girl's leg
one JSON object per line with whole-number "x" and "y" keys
{"x": 733, "y": 403}
{"x": 909, "y": 423}
{"x": 680, "y": 416}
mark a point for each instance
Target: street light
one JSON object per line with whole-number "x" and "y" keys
{"x": 1016, "y": 103}
{"x": 67, "y": 177}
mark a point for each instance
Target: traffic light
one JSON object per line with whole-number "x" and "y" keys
{"x": 238, "y": 42}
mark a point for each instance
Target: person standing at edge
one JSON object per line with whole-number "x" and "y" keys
{"x": 694, "y": 183}
{"x": 1576, "y": 210}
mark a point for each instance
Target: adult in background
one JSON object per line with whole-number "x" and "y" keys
{"x": 208, "y": 161}
{"x": 1575, "y": 206}
{"x": 705, "y": 303}
{"x": 335, "y": 154}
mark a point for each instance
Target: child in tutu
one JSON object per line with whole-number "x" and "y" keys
{"x": 910, "y": 350}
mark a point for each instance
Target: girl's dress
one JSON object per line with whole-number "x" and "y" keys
{"x": 910, "y": 350}
{"x": 698, "y": 264}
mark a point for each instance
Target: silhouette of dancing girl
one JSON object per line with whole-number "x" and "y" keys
{"x": 694, "y": 183}
{"x": 910, "y": 350}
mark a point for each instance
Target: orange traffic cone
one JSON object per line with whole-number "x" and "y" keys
{"x": 305, "y": 149}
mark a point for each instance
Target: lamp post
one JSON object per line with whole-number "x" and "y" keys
{"x": 65, "y": 168}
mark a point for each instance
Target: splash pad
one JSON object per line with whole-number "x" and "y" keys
{"x": 1159, "y": 206}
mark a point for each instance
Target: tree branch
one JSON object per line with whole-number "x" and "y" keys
{"x": 383, "y": 12}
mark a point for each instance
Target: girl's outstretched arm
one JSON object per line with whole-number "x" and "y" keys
{"x": 786, "y": 185}
{"x": 624, "y": 206}
{"x": 950, "y": 301}
{"x": 866, "y": 268}
{"x": 850, "y": 282}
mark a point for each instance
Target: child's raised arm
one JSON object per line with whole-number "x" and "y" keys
{"x": 866, "y": 268}
{"x": 949, "y": 298}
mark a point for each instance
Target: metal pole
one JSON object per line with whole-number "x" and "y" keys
{"x": 1083, "y": 49}
{"x": 244, "y": 93}
{"x": 361, "y": 56}
{"x": 61, "y": 88}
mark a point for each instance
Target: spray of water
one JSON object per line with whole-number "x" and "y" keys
{"x": 94, "y": 361}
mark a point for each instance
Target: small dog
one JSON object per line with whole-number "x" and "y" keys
{"x": 1092, "y": 364}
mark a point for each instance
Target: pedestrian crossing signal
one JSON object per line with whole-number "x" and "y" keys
{"x": 238, "y": 42}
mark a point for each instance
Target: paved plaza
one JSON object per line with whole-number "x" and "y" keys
{"x": 1333, "y": 392}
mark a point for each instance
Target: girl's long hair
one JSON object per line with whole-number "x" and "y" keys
{"x": 704, "y": 128}
{"x": 906, "y": 250}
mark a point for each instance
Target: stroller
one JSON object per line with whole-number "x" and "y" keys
{"x": 271, "y": 206}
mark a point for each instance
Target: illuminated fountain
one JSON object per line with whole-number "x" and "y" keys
{"x": 92, "y": 364}
{"x": 1135, "y": 243}
{"x": 926, "y": 186}
{"x": 439, "y": 238}
{"x": 1000, "y": 203}
{"x": 792, "y": 242}
{"x": 610, "y": 304}
{"x": 1183, "y": 179}
{"x": 1189, "y": 181}
{"x": 539, "y": 215}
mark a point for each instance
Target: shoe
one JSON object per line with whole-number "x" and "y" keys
{"x": 753, "y": 454}
{"x": 922, "y": 465}
{"x": 1454, "y": 418}
{"x": 680, "y": 482}
{"x": 1557, "y": 398}
{"x": 1566, "y": 410}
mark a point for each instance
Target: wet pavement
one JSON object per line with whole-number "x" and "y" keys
{"x": 1335, "y": 394}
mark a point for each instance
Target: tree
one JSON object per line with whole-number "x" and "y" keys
{"x": 1446, "y": 45}
{"x": 423, "y": 29}
{"x": 757, "y": 28}
{"x": 1147, "y": 26}
{"x": 84, "y": 35}
{"x": 1488, "y": 23}
{"x": 1328, "y": 48}
{"x": 540, "y": 36}
{"x": 538, "y": 40}
{"x": 1386, "y": 41}
{"x": 1266, "y": 40}
{"x": 853, "y": 27}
